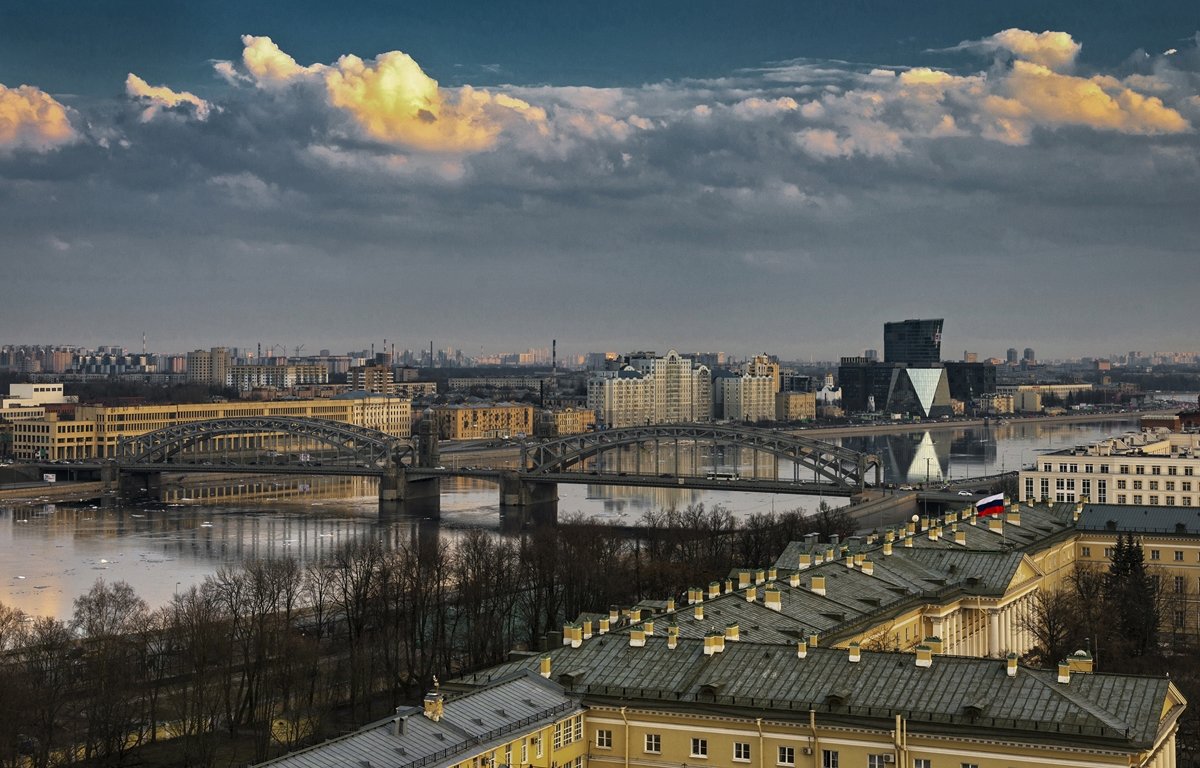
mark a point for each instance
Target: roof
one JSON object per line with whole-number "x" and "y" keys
{"x": 970, "y": 693}
{"x": 470, "y": 724}
{"x": 1124, "y": 518}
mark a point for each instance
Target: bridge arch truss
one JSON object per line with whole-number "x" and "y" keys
{"x": 840, "y": 466}
{"x": 368, "y": 446}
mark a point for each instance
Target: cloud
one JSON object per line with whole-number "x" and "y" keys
{"x": 1045, "y": 97}
{"x": 269, "y": 66}
{"x": 1052, "y": 50}
{"x": 159, "y": 97}
{"x": 391, "y": 99}
{"x": 32, "y": 119}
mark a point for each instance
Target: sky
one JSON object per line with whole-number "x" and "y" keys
{"x": 755, "y": 176}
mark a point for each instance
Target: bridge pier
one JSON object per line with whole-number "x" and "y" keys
{"x": 135, "y": 486}
{"x": 527, "y": 500}
{"x": 398, "y": 485}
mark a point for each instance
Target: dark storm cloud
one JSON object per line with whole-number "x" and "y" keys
{"x": 792, "y": 208}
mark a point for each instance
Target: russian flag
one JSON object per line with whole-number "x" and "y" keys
{"x": 992, "y": 505}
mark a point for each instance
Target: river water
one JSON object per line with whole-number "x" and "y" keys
{"x": 50, "y": 554}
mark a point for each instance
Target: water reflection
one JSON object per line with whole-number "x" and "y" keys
{"x": 51, "y": 554}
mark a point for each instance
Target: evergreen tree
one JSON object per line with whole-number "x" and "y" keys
{"x": 1132, "y": 595}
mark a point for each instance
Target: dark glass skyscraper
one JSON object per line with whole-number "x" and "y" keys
{"x": 915, "y": 342}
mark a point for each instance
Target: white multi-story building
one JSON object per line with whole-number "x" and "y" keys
{"x": 29, "y": 401}
{"x": 652, "y": 390}
{"x": 247, "y": 377}
{"x": 211, "y": 367}
{"x": 1152, "y": 468}
{"x": 748, "y": 397}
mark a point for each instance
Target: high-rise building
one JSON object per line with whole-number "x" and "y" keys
{"x": 915, "y": 342}
{"x": 211, "y": 367}
{"x": 1011, "y": 357}
{"x": 652, "y": 390}
{"x": 970, "y": 357}
{"x": 1029, "y": 356}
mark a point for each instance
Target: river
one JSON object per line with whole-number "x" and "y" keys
{"x": 50, "y": 554}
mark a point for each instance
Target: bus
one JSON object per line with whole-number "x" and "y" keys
{"x": 724, "y": 476}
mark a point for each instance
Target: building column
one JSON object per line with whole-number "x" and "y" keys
{"x": 938, "y": 625}
{"x": 993, "y": 633}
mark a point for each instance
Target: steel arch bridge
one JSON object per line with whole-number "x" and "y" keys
{"x": 840, "y": 466}
{"x": 368, "y": 446}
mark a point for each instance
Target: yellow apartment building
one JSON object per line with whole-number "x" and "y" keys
{"x": 483, "y": 420}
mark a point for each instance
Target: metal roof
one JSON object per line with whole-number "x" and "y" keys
{"x": 1124, "y": 518}
{"x": 975, "y": 694}
{"x": 471, "y": 723}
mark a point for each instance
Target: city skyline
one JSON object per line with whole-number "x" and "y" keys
{"x": 779, "y": 178}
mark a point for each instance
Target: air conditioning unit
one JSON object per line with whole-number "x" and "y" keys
{"x": 889, "y": 758}
{"x": 807, "y": 750}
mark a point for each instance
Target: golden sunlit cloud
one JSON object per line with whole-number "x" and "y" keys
{"x": 32, "y": 119}
{"x": 393, "y": 100}
{"x": 1052, "y": 50}
{"x": 1042, "y": 96}
{"x": 159, "y": 97}
{"x": 270, "y": 66}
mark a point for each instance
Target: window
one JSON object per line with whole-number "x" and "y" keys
{"x": 1139, "y": 470}
{"x": 1104, "y": 469}
{"x": 1086, "y": 552}
{"x": 524, "y": 752}
{"x": 1179, "y": 555}
{"x": 922, "y": 762}
{"x": 699, "y": 747}
{"x": 1124, "y": 470}
{"x": 1086, "y": 487}
{"x": 1074, "y": 468}
{"x": 787, "y": 756}
{"x": 1062, "y": 467}
{"x": 1154, "y": 554}
{"x": 1120, "y": 485}
{"x": 654, "y": 743}
{"x": 1154, "y": 498}
{"x": 1179, "y": 618}
{"x": 537, "y": 745}
{"x": 970, "y": 765}
{"x": 1188, "y": 471}
{"x": 1170, "y": 485}
{"x": 604, "y": 739}
{"x": 1108, "y": 552}
{"x": 1047, "y": 468}
{"x": 1137, "y": 498}
{"x": 1171, "y": 470}
{"x": 1156, "y": 470}
{"x": 568, "y": 731}
{"x": 877, "y": 761}
{"x": 1102, "y": 491}
{"x": 1137, "y": 485}
{"x": 1154, "y": 485}
{"x": 1185, "y": 486}
{"x": 1179, "y": 584}
{"x": 829, "y": 758}
{"x": 741, "y": 751}
{"x": 1045, "y": 487}
{"x": 1169, "y": 501}
{"x": 1120, "y": 498}
{"x": 1028, "y": 488}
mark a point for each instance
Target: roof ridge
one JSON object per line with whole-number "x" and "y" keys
{"x": 1076, "y": 698}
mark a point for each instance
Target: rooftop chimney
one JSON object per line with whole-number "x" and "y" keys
{"x": 670, "y": 605}
{"x": 868, "y": 567}
{"x": 855, "y": 653}
{"x": 743, "y": 579}
{"x": 812, "y": 639}
{"x": 908, "y": 541}
{"x": 732, "y": 632}
{"x": 1014, "y": 515}
{"x": 773, "y": 598}
{"x": 572, "y": 635}
{"x": 698, "y": 611}
{"x": 672, "y": 635}
{"x": 434, "y": 701}
{"x": 805, "y": 561}
{"x": 794, "y": 578}
{"x": 648, "y": 626}
{"x": 1064, "y": 672}
{"x": 544, "y": 666}
{"x": 728, "y": 586}
{"x": 995, "y": 524}
{"x": 1080, "y": 661}
{"x": 801, "y": 649}
{"x": 887, "y": 549}
{"x": 614, "y": 615}
{"x": 587, "y": 629}
{"x": 760, "y": 576}
{"x": 714, "y": 642}
{"x": 751, "y": 594}
{"x": 924, "y": 656}
{"x": 817, "y": 585}
{"x": 637, "y": 637}
{"x": 714, "y": 590}
{"x": 1012, "y": 665}
{"x": 935, "y": 644}
{"x": 960, "y": 537}
{"x": 603, "y": 625}
{"x": 772, "y": 574}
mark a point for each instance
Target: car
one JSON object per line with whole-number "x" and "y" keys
{"x": 965, "y": 493}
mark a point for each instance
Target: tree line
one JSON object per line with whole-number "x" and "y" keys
{"x": 266, "y": 656}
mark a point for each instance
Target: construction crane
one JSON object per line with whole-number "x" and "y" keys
{"x": 298, "y": 347}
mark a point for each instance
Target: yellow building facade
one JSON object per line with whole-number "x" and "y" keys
{"x": 483, "y": 421}
{"x": 96, "y": 430}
